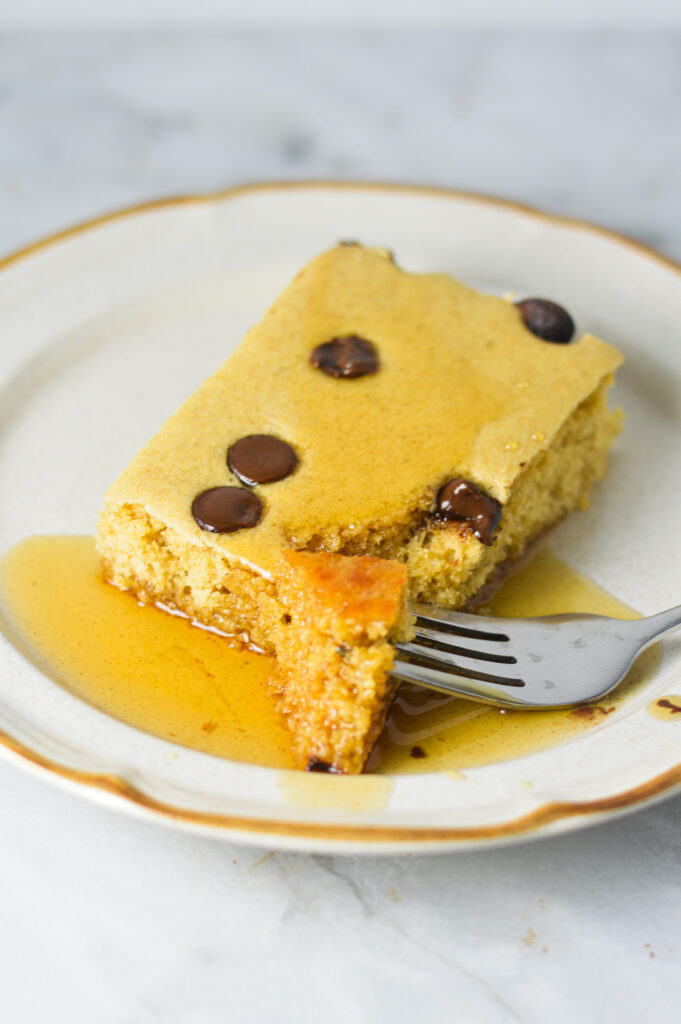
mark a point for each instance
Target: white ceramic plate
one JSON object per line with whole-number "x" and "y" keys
{"x": 104, "y": 330}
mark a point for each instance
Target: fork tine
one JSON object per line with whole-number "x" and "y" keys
{"x": 446, "y": 682}
{"x": 472, "y": 668}
{"x": 493, "y": 650}
{"x": 445, "y": 621}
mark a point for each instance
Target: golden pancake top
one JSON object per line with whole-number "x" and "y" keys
{"x": 463, "y": 389}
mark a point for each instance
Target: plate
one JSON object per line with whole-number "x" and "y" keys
{"x": 108, "y": 327}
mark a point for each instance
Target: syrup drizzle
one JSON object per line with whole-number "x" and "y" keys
{"x": 159, "y": 673}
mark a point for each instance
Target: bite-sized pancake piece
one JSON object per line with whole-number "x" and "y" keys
{"x": 335, "y": 656}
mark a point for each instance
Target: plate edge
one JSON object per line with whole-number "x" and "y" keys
{"x": 526, "y": 824}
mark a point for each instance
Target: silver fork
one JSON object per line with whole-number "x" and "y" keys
{"x": 550, "y": 662}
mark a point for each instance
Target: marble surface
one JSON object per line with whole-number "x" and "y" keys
{"x": 109, "y": 919}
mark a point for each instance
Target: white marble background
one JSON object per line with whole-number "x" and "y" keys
{"x": 107, "y": 919}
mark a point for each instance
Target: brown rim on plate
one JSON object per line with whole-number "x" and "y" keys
{"x": 545, "y": 815}
{"x": 527, "y": 823}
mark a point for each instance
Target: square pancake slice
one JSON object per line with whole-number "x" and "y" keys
{"x": 379, "y": 435}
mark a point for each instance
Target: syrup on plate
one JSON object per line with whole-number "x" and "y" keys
{"x": 161, "y": 674}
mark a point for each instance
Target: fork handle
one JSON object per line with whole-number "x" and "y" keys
{"x": 656, "y": 626}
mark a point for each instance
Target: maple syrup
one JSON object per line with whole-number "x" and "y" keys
{"x": 667, "y": 708}
{"x": 200, "y": 689}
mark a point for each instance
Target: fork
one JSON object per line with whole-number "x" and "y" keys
{"x": 550, "y": 662}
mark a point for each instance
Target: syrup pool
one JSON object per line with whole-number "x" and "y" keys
{"x": 159, "y": 673}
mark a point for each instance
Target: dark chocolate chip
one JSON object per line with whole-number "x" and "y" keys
{"x": 418, "y": 752}
{"x": 261, "y": 459}
{"x": 547, "y": 320}
{"x": 461, "y": 501}
{"x": 226, "y": 509}
{"x": 315, "y": 764}
{"x": 349, "y": 356}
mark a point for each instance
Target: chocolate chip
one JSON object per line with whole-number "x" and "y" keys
{"x": 349, "y": 356}
{"x": 261, "y": 459}
{"x": 461, "y": 501}
{"x": 315, "y": 764}
{"x": 226, "y": 509}
{"x": 547, "y": 320}
{"x": 418, "y": 752}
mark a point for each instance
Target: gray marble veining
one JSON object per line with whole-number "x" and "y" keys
{"x": 584, "y": 125}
